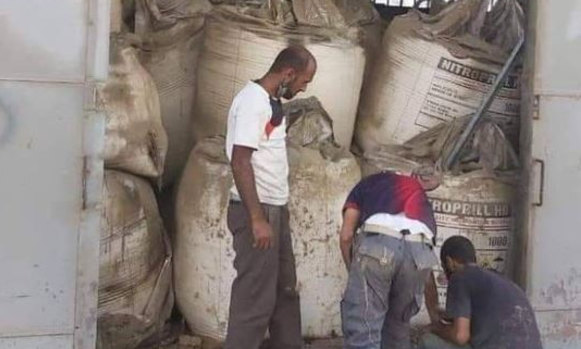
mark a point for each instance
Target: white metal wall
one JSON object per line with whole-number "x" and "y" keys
{"x": 554, "y": 221}
{"x": 52, "y": 53}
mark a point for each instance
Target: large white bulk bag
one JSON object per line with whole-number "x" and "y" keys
{"x": 171, "y": 35}
{"x": 135, "y": 275}
{"x": 203, "y": 253}
{"x": 335, "y": 14}
{"x": 240, "y": 48}
{"x": 427, "y": 74}
{"x": 321, "y": 177}
{"x": 318, "y": 189}
{"x": 135, "y": 140}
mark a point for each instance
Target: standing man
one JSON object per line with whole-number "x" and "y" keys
{"x": 391, "y": 260}
{"x": 264, "y": 295}
{"x": 484, "y": 310}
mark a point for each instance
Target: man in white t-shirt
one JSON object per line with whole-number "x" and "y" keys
{"x": 264, "y": 295}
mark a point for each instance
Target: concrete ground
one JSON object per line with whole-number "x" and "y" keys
{"x": 175, "y": 335}
{"x": 322, "y": 344}
{"x": 181, "y": 342}
{"x": 190, "y": 342}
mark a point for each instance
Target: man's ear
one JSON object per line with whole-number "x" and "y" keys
{"x": 289, "y": 74}
{"x": 450, "y": 264}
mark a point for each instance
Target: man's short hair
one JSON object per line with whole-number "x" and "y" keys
{"x": 458, "y": 248}
{"x": 296, "y": 57}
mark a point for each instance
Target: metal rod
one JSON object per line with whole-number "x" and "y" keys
{"x": 483, "y": 106}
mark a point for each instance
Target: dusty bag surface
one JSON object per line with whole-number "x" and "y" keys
{"x": 171, "y": 34}
{"x": 319, "y": 13}
{"x": 135, "y": 140}
{"x": 155, "y": 15}
{"x": 239, "y": 48}
{"x": 135, "y": 272}
{"x": 321, "y": 176}
{"x": 434, "y": 69}
{"x": 487, "y": 150}
{"x": 505, "y": 25}
{"x": 202, "y": 248}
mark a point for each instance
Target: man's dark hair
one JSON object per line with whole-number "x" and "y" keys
{"x": 458, "y": 248}
{"x": 296, "y": 57}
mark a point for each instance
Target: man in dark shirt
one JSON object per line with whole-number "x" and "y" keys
{"x": 390, "y": 260}
{"x": 484, "y": 310}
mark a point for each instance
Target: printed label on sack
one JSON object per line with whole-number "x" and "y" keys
{"x": 457, "y": 89}
{"x": 489, "y": 225}
{"x": 471, "y": 209}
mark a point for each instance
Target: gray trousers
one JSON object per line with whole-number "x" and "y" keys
{"x": 385, "y": 289}
{"x": 264, "y": 295}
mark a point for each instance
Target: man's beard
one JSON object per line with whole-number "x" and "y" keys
{"x": 284, "y": 91}
{"x": 288, "y": 94}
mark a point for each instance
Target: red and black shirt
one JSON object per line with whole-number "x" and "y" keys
{"x": 390, "y": 193}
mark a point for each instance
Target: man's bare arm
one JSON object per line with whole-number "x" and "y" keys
{"x": 350, "y": 220}
{"x": 246, "y": 184}
{"x": 431, "y": 296}
{"x": 458, "y": 332}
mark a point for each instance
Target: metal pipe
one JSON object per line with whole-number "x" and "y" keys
{"x": 452, "y": 158}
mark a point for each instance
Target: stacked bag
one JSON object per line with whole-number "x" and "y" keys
{"x": 171, "y": 35}
{"x": 242, "y": 41}
{"x": 135, "y": 268}
{"x": 433, "y": 69}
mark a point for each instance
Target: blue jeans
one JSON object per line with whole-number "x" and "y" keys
{"x": 385, "y": 289}
{"x": 431, "y": 341}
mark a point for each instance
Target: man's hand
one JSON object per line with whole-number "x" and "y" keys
{"x": 457, "y": 332}
{"x": 262, "y": 232}
{"x": 350, "y": 219}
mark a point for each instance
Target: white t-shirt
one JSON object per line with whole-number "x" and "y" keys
{"x": 248, "y": 119}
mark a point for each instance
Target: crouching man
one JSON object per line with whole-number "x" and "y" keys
{"x": 389, "y": 261}
{"x": 484, "y": 310}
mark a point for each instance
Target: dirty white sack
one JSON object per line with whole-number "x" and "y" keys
{"x": 240, "y": 48}
{"x": 135, "y": 140}
{"x": 135, "y": 272}
{"x": 171, "y": 38}
{"x": 433, "y": 69}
